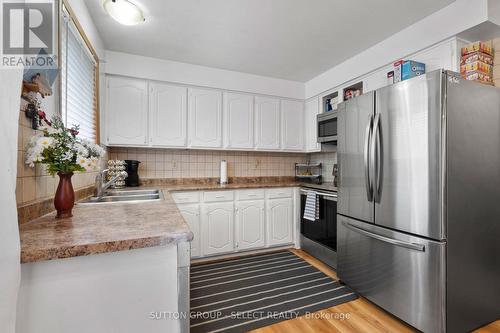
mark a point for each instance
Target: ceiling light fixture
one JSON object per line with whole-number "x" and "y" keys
{"x": 124, "y": 11}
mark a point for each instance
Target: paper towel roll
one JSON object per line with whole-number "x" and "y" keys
{"x": 223, "y": 172}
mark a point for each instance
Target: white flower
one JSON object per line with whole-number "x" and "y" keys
{"x": 45, "y": 142}
{"x": 68, "y": 156}
{"x": 33, "y": 156}
{"x": 82, "y": 161}
{"x": 81, "y": 150}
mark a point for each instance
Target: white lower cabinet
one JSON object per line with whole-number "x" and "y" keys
{"x": 250, "y": 225}
{"x": 278, "y": 217}
{"x": 227, "y": 221}
{"x": 217, "y": 227}
{"x": 191, "y": 213}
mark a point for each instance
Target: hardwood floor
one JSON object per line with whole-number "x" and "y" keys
{"x": 364, "y": 316}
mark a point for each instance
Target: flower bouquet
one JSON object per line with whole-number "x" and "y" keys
{"x": 63, "y": 153}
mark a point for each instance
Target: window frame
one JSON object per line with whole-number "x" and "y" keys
{"x": 65, "y": 6}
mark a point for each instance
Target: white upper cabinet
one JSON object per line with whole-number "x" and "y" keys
{"x": 292, "y": 125}
{"x": 250, "y": 222}
{"x": 205, "y": 118}
{"x": 126, "y": 111}
{"x": 267, "y": 124}
{"x": 311, "y": 125}
{"x": 238, "y": 121}
{"x": 168, "y": 115}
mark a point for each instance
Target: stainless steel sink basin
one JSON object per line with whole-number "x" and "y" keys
{"x": 127, "y": 196}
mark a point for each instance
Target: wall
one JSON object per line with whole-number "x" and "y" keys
{"x": 10, "y": 80}
{"x": 34, "y": 185}
{"x": 173, "y": 163}
{"x": 177, "y": 72}
{"x": 443, "y": 24}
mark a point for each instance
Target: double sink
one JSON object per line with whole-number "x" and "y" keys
{"x": 125, "y": 196}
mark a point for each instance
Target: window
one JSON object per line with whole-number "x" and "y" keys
{"x": 79, "y": 77}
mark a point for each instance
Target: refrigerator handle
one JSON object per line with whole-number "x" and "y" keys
{"x": 408, "y": 245}
{"x": 375, "y": 157}
{"x": 368, "y": 181}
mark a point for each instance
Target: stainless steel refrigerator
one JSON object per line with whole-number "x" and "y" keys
{"x": 419, "y": 200}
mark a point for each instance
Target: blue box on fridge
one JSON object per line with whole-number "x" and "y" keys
{"x": 411, "y": 69}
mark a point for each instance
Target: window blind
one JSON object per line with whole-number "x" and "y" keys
{"x": 78, "y": 81}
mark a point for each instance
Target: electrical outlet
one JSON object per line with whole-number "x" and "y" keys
{"x": 174, "y": 165}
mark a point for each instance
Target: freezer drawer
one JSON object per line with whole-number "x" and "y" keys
{"x": 403, "y": 274}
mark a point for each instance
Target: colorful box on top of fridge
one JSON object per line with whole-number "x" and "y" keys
{"x": 485, "y": 47}
{"x": 476, "y": 56}
{"x": 411, "y": 69}
{"x": 478, "y": 66}
{"x": 397, "y": 70}
{"x": 479, "y": 77}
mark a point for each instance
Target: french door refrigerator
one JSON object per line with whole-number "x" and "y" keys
{"x": 419, "y": 200}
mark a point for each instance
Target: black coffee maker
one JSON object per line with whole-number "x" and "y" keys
{"x": 132, "y": 169}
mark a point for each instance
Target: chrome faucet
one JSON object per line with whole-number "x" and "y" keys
{"x": 100, "y": 181}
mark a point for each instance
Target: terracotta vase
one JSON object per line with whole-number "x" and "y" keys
{"x": 64, "y": 199}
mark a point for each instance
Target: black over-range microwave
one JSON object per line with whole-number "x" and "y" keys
{"x": 327, "y": 127}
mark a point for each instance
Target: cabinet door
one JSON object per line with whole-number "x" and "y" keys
{"x": 205, "y": 118}
{"x": 238, "y": 120}
{"x": 292, "y": 125}
{"x": 191, "y": 214}
{"x": 167, "y": 115}
{"x": 279, "y": 219}
{"x": 250, "y": 219}
{"x": 217, "y": 228}
{"x": 267, "y": 125}
{"x": 311, "y": 125}
{"x": 127, "y": 111}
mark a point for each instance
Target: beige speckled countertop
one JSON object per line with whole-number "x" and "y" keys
{"x": 102, "y": 228}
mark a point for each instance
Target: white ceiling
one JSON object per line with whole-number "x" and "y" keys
{"x": 288, "y": 39}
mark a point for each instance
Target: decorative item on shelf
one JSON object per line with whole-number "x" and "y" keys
{"x": 308, "y": 173}
{"x": 36, "y": 85}
{"x": 330, "y": 102}
{"x": 116, "y": 168}
{"x": 63, "y": 153}
{"x": 476, "y": 63}
{"x": 354, "y": 90}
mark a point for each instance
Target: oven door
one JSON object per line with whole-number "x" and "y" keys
{"x": 319, "y": 238}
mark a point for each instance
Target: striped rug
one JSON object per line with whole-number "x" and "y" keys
{"x": 246, "y": 293}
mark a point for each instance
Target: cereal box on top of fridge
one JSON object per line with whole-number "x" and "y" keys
{"x": 397, "y": 70}
{"x": 476, "y": 56}
{"x": 485, "y": 47}
{"x": 411, "y": 69}
{"x": 476, "y": 66}
{"x": 479, "y": 77}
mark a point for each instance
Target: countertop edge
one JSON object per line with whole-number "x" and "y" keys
{"x": 171, "y": 238}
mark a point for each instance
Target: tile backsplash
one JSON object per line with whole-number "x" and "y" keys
{"x": 327, "y": 160}
{"x": 180, "y": 163}
{"x": 35, "y": 184}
